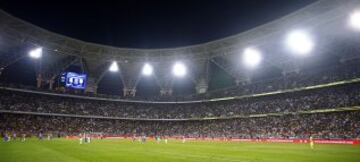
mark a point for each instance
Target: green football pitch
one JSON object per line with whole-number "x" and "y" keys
{"x": 62, "y": 150}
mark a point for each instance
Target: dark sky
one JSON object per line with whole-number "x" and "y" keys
{"x": 151, "y": 24}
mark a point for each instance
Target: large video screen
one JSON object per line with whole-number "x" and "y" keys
{"x": 73, "y": 80}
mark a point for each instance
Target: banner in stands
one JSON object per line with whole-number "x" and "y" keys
{"x": 281, "y": 140}
{"x": 275, "y": 140}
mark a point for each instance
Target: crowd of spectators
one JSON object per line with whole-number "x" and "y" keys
{"x": 324, "y": 98}
{"x": 339, "y": 125}
{"x": 171, "y": 119}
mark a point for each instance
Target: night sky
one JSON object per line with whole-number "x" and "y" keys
{"x": 151, "y": 24}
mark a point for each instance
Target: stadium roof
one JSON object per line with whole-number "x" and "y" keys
{"x": 324, "y": 19}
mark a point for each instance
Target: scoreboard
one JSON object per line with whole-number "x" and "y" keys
{"x": 73, "y": 80}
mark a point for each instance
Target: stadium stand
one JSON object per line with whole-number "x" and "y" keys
{"x": 340, "y": 125}
{"x": 325, "y": 98}
{"x": 316, "y": 96}
{"x": 329, "y": 112}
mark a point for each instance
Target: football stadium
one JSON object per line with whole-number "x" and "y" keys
{"x": 283, "y": 87}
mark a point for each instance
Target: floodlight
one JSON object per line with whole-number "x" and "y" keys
{"x": 179, "y": 69}
{"x": 114, "y": 67}
{"x": 36, "y": 53}
{"x": 354, "y": 20}
{"x": 147, "y": 70}
{"x": 299, "y": 42}
{"x": 251, "y": 57}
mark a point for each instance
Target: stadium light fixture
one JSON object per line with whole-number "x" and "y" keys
{"x": 354, "y": 20}
{"x": 36, "y": 53}
{"x": 147, "y": 69}
{"x": 251, "y": 57}
{"x": 114, "y": 67}
{"x": 299, "y": 42}
{"x": 179, "y": 69}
